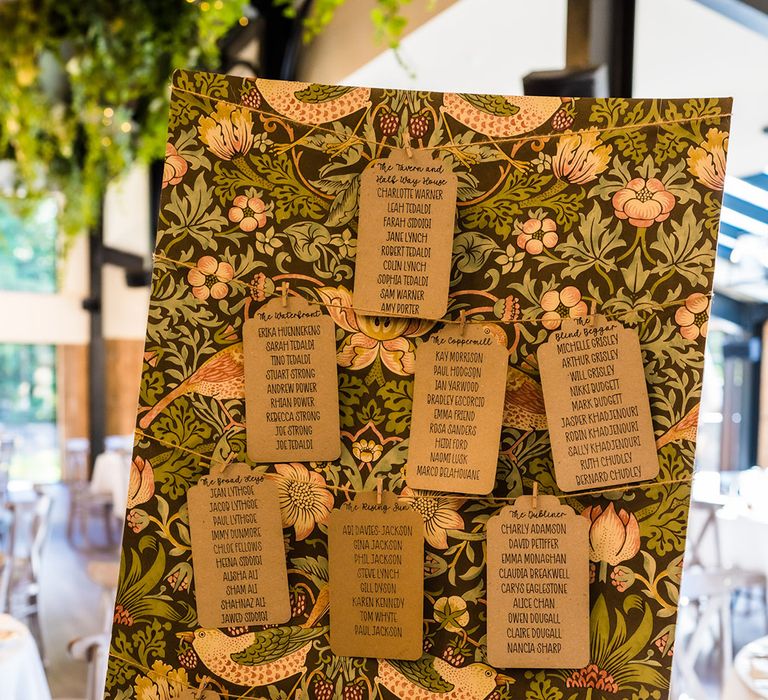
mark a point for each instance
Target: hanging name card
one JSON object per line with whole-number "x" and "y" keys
{"x": 291, "y": 388}
{"x": 238, "y": 555}
{"x": 376, "y": 569}
{"x": 597, "y": 405}
{"x": 405, "y": 236}
{"x": 458, "y": 404}
{"x": 538, "y": 586}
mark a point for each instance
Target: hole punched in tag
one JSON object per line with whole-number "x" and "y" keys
{"x": 284, "y": 293}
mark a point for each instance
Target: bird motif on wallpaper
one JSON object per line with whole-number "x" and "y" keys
{"x": 220, "y": 377}
{"x": 523, "y": 402}
{"x": 431, "y": 678}
{"x": 260, "y": 658}
{"x": 684, "y": 429}
{"x": 497, "y": 116}
{"x": 308, "y": 103}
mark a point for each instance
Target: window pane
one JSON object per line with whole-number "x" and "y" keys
{"x": 28, "y": 410}
{"x": 28, "y": 245}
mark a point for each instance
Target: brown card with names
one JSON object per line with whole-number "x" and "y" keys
{"x": 376, "y": 569}
{"x": 597, "y": 405}
{"x": 538, "y": 586}
{"x": 238, "y": 554}
{"x": 458, "y": 401}
{"x": 291, "y": 389}
{"x": 405, "y": 236}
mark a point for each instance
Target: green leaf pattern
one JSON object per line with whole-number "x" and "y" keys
{"x": 284, "y": 208}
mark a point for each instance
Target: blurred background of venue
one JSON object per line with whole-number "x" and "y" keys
{"x": 83, "y": 108}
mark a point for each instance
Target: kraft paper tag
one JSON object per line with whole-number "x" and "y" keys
{"x": 291, "y": 386}
{"x": 405, "y": 236}
{"x": 458, "y": 404}
{"x": 597, "y": 405}
{"x": 538, "y": 586}
{"x": 376, "y": 569}
{"x": 238, "y": 555}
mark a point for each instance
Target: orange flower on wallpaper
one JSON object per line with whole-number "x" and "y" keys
{"x": 613, "y": 537}
{"x": 228, "y": 132}
{"x": 141, "y": 482}
{"x": 174, "y": 167}
{"x": 706, "y": 162}
{"x": 373, "y": 336}
{"x": 304, "y": 499}
{"x": 643, "y": 202}
{"x": 209, "y": 278}
{"x": 439, "y": 513}
{"x": 248, "y": 212}
{"x": 693, "y": 316}
{"x": 580, "y": 158}
{"x": 366, "y": 451}
{"x": 536, "y": 234}
{"x": 566, "y": 303}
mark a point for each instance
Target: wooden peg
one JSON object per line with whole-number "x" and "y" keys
{"x": 535, "y": 496}
{"x": 463, "y": 321}
{"x": 379, "y": 489}
{"x": 592, "y": 311}
{"x": 284, "y": 289}
{"x": 201, "y": 688}
{"x": 408, "y": 149}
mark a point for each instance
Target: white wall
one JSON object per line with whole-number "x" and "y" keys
{"x": 483, "y": 46}
{"x": 59, "y": 318}
{"x": 683, "y": 49}
{"x": 26, "y": 317}
{"x": 126, "y": 227}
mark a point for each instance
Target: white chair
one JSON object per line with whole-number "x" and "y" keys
{"x": 94, "y": 650}
{"x": 29, "y": 534}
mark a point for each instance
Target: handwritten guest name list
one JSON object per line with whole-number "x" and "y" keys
{"x": 291, "y": 389}
{"x": 238, "y": 555}
{"x": 405, "y": 236}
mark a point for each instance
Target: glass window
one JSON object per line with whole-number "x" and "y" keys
{"x": 28, "y": 410}
{"x": 28, "y": 245}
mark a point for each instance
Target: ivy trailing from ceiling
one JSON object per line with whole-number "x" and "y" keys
{"x": 84, "y": 88}
{"x": 386, "y": 15}
{"x": 84, "y": 85}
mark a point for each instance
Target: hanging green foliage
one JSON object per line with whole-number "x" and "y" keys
{"x": 84, "y": 85}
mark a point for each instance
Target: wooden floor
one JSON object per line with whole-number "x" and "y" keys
{"x": 71, "y": 603}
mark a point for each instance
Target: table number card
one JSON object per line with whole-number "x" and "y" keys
{"x": 458, "y": 402}
{"x": 597, "y": 405}
{"x": 376, "y": 565}
{"x": 291, "y": 389}
{"x": 405, "y": 236}
{"x": 538, "y": 586}
{"x": 238, "y": 555}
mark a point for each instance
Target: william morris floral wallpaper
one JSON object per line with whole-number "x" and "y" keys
{"x": 562, "y": 205}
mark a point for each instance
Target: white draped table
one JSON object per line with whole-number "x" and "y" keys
{"x": 21, "y": 672}
{"x": 111, "y": 472}
{"x": 748, "y": 679}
